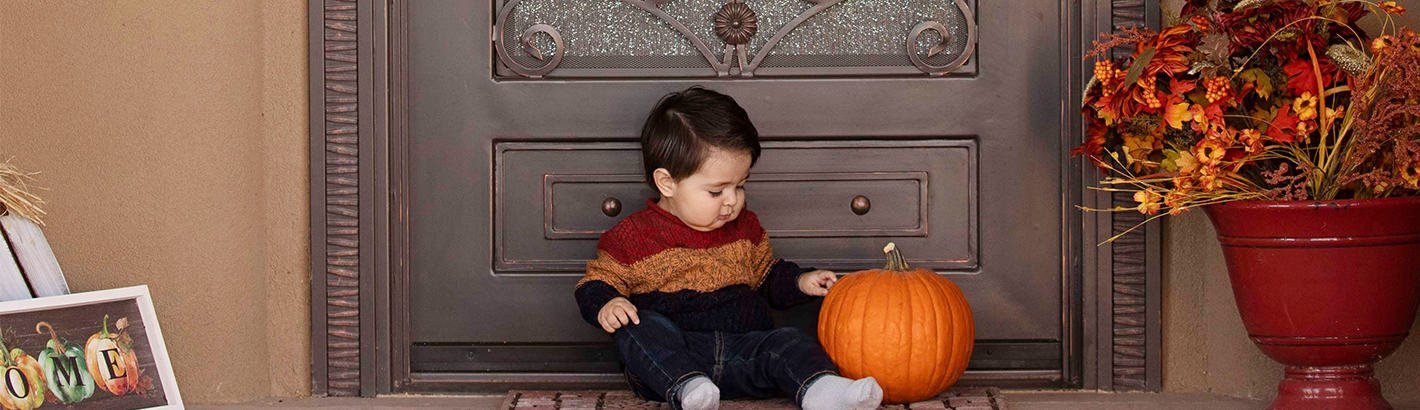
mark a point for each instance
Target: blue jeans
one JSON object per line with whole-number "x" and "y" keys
{"x": 660, "y": 358}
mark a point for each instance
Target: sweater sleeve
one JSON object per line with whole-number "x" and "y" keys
{"x": 591, "y": 296}
{"x": 781, "y": 286}
{"x": 606, "y": 279}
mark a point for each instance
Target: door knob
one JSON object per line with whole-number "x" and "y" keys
{"x": 861, "y": 205}
{"x": 611, "y": 207}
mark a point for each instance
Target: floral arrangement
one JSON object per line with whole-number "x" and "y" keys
{"x": 1257, "y": 100}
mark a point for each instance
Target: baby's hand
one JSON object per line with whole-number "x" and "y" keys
{"x": 816, "y": 283}
{"x": 617, "y": 313}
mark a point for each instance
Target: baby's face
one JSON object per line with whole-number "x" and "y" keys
{"x": 714, "y": 194}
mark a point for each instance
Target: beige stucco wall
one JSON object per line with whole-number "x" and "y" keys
{"x": 172, "y": 136}
{"x": 1206, "y": 348}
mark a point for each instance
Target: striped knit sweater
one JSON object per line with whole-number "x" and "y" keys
{"x": 722, "y": 280}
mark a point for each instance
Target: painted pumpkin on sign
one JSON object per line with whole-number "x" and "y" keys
{"x": 22, "y": 387}
{"x": 111, "y": 359}
{"x": 911, "y": 329}
{"x": 64, "y": 372}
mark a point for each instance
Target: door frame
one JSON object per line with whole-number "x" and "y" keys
{"x": 359, "y": 242}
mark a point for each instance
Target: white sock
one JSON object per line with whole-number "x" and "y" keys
{"x": 699, "y": 393}
{"x": 832, "y": 392}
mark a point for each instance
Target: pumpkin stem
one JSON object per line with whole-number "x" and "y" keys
{"x": 105, "y": 331}
{"x": 895, "y": 261}
{"x": 52, "y": 336}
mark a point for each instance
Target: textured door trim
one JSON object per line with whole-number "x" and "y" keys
{"x": 1122, "y": 280}
{"x": 343, "y": 215}
{"x": 359, "y": 213}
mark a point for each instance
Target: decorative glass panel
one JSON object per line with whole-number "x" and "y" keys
{"x": 706, "y": 38}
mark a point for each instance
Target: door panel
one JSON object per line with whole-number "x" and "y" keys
{"x": 510, "y": 179}
{"x": 920, "y": 194}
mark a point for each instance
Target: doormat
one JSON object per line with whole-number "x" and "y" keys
{"x": 956, "y": 398}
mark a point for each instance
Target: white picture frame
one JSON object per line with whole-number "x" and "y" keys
{"x": 76, "y": 315}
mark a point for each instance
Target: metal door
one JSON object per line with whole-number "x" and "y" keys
{"x": 523, "y": 117}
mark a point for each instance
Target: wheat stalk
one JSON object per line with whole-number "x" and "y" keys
{"x": 15, "y": 196}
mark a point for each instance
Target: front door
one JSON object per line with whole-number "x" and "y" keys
{"x": 934, "y": 124}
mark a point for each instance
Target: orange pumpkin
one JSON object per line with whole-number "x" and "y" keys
{"x": 911, "y": 329}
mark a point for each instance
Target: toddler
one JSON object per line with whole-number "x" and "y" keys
{"x": 685, "y": 285}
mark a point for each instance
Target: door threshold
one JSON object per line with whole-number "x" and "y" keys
{"x": 488, "y": 383}
{"x": 1016, "y": 399}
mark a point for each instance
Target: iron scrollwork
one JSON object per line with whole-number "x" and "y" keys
{"x": 527, "y": 42}
{"x": 916, "y": 55}
{"x": 735, "y": 23}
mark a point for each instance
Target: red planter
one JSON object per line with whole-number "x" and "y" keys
{"x": 1326, "y": 288}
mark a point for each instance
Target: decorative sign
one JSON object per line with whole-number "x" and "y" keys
{"x": 94, "y": 350}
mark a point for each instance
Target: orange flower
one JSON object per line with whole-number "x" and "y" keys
{"x": 1381, "y": 43}
{"x": 1174, "y": 198}
{"x": 1208, "y": 181}
{"x": 1225, "y": 136}
{"x": 1251, "y": 140}
{"x": 1181, "y": 185}
{"x": 1209, "y": 153}
{"x": 1392, "y": 8}
{"x": 1336, "y": 113}
{"x": 1305, "y": 106}
{"x": 1304, "y": 128}
{"x": 1200, "y": 118}
{"x": 1148, "y": 201}
{"x": 1411, "y": 174}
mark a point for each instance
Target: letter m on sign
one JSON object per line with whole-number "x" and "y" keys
{"x": 67, "y": 370}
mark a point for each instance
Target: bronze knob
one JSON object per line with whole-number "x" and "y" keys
{"x": 611, "y": 207}
{"x": 861, "y": 205}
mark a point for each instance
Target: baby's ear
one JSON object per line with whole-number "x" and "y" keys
{"x": 664, "y": 182}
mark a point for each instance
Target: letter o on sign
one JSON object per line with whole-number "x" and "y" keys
{"x": 15, "y": 383}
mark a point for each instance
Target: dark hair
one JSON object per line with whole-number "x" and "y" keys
{"x": 684, "y": 126}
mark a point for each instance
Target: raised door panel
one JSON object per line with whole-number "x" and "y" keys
{"x": 553, "y": 200}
